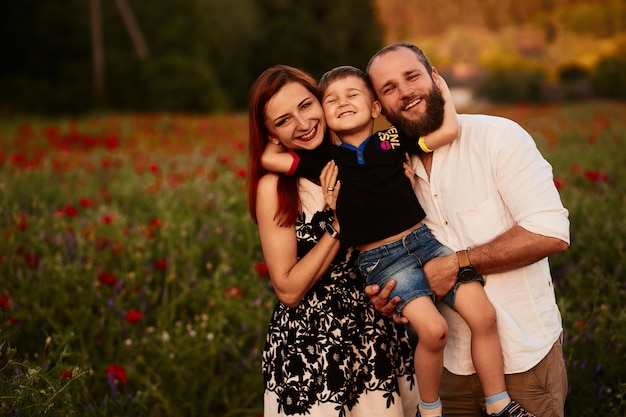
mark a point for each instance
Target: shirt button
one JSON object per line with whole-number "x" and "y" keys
{"x": 445, "y": 223}
{"x": 435, "y": 195}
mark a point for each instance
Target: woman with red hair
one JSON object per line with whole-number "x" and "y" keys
{"x": 328, "y": 352}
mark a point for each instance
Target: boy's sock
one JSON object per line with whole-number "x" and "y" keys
{"x": 431, "y": 409}
{"x": 496, "y": 403}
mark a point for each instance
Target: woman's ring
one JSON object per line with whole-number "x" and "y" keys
{"x": 329, "y": 189}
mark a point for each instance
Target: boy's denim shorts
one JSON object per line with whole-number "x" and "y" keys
{"x": 403, "y": 261}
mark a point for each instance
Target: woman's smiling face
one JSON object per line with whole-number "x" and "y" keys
{"x": 295, "y": 117}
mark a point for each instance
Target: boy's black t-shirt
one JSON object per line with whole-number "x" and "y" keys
{"x": 376, "y": 199}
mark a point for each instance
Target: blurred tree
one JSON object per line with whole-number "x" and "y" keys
{"x": 203, "y": 54}
{"x": 316, "y": 35}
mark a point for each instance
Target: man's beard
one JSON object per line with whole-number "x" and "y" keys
{"x": 428, "y": 123}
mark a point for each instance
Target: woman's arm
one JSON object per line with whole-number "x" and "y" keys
{"x": 450, "y": 128}
{"x": 292, "y": 278}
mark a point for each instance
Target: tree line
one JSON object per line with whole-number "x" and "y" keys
{"x": 198, "y": 56}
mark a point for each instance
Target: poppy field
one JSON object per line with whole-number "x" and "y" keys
{"x": 132, "y": 281}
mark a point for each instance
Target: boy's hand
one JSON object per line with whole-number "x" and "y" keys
{"x": 275, "y": 158}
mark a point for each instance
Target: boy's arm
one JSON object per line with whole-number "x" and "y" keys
{"x": 276, "y": 159}
{"x": 449, "y": 128}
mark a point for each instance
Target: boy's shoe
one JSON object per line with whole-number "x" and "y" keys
{"x": 513, "y": 409}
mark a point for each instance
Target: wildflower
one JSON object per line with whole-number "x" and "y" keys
{"x": 559, "y": 183}
{"x": 160, "y": 263}
{"x": 133, "y": 316}
{"x": 67, "y": 374}
{"x": 117, "y": 373}
{"x": 112, "y": 142}
{"x": 241, "y": 173}
{"x": 261, "y": 269}
{"x": 13, "y": 321}
{"x": 107, "y": 279}
{"x": 108, "y": 218}
{"x": 233, "y": 291}
{"x": 597, "y": 176}
{"x": 156, "y": 223}
{"x": 4, "y": 302}
{"x": 18, "y": 159}
{"x": 32, "y": 260}
{"x": 21, "y": 222}
{"x": 71, "y": 211}
{"x": 51, "y": 132}
{"x": 87, "y": 202}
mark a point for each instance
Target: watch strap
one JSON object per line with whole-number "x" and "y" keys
{"x": 332, "y": 231}
{"x": 463, "y": 257}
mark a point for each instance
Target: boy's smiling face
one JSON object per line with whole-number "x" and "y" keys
{"x": 350, "y": 107}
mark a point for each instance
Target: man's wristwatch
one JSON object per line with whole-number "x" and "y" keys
{"x": 331, "y": 231}
{"x": 466, "y": 270}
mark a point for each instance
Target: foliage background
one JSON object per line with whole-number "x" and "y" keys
{"x": 204, "y": 54}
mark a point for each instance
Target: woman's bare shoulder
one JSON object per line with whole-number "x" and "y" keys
{"x": 268, "y": 183}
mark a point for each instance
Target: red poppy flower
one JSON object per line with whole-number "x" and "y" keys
{"x": 161, "y": 264}
{"x": 32, "y": 260}
{"x": 51, "y": 131}
{"x": 67, "y": 374}
{"x": 107, "y": 279}
{"x": 108, "y": 218}
{"x": 13, "y": 321}
{"x": 261, "y": 269}
{"x": 4, "y": 302}
{"x": 21, "y": 222}
{"x": 559, "y": 183}
{"x": 71, "y": 211}
{"x": 233, "y": 292}
{"x": 112, "y": 142}
{"x": 133, "y": 316}
{"x": 117, "y": 373}
{"x": 157, "y": 223}
{"x": 597, "y": 176}
{"x": 87, "y": 202}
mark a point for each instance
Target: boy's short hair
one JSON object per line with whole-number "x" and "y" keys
{"x": 341, "y": 72}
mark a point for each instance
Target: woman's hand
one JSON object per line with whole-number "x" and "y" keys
{"x": 330, "y": 185}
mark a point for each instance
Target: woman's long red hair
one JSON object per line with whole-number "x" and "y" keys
{"x": 263, "y": 89}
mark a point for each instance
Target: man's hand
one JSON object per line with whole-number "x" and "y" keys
{"x": 441, "y": 273}
{"x": 380, "y": 299}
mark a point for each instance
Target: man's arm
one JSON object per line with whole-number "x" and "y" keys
{"x": 513, "y": 249}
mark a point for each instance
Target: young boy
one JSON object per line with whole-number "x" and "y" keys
{"x": 379, "y": 213}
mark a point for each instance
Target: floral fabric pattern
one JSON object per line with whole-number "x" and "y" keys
{"x": 334, "y": 347}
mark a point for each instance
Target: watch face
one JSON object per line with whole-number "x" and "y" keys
{"x": 331, "y": 230}
{"x": 467, "y": 274}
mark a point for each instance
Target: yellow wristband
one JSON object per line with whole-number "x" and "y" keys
{"x": 423, "y": 146}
